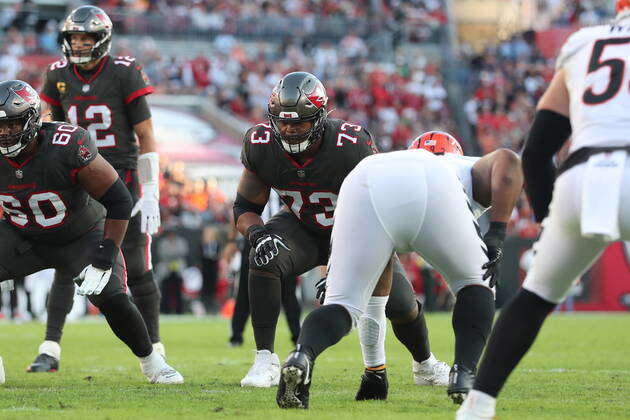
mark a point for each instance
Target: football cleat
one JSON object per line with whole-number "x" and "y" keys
{"x": 374, "y": 385}
{"x": 44, "y": 363}
{"x": 460, "y": 382}
{"x": 157, "y": 371}
{"x": 430, "y": 372}
{"x": 295, "y": 381}
{"x": 265, "y": 372}
{"x": 477, "y": 406}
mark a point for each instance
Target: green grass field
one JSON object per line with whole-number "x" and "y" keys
{"x": 579, "y": 368}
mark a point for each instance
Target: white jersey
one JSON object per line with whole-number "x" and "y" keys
{"x": 596, "y": 61}
{"x": 463, "y": 168}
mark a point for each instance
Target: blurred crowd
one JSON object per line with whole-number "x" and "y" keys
{"x": 396, "y": 100}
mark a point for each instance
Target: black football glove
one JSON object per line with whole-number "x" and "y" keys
{"x": 266, "y": 245}
{"x": 320, "y": 295}
{"x": 494, "y": 243}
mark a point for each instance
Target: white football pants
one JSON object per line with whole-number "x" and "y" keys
{"x": 401, "y": 201}
{"x": 562, "y": 254}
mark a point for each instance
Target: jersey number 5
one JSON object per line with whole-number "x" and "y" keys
{"x": 617, "y": 70}
{"x": 103, "y": 115}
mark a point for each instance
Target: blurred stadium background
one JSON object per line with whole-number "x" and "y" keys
{"x": 474, "y": 68}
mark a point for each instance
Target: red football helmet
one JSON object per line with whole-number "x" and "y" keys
{"x": 622, "y": 5}
{"x": 438, "y": 143}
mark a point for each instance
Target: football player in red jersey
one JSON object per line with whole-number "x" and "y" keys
{"x": 106, "y": 95}
{"x": 51, "y": 178}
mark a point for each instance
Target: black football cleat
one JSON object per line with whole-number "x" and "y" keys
{"x": 460, "y": 382}
{"x": 44, "y": 363}
{"x": 373, "y": 386}
{"x": 295, "y": 381}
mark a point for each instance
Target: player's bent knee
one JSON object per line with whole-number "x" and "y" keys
{"x": 457, "y": 287}
{"x": 546, "y": 292}
{"x": 355, "y": 314}
{"x": 401, "y": 314}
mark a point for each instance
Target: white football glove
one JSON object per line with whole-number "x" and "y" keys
{"x": 149, "y": 203}
{"x": 93, "y": 280}
{"x": 149, "y": 208}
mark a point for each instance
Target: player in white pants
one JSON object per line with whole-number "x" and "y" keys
{"x": 591, "y": 197}
{"x": 400, "y": 201}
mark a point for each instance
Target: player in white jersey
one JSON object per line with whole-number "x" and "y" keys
{"x": 495, "y": 178}
{"x": 426, "y": 212}
{"x": 588, "y": 99}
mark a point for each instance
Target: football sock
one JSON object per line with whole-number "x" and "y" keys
{"x": 126, "y": 322}
{"x": 414, "y": 335}
{"x": 372, "y": 328}
{"x": 472, "y": 323}
{"x": 241, "y": 306}
{"x": 292, "y": 309}
{"x": 324, "y": 327}
{"x": 514, "y": 333}
{"x": 264, "y": 302}
{"x": 146, "y": 297}
{"x": 60, "y": 300}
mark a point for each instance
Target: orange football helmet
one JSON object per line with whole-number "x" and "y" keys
{"x": 438, "y": 143}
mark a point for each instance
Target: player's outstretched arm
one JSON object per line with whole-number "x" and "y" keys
{"x": 251, "y": 197}
{"x": 101, "y": 181}
{"x": 497, "y": 182}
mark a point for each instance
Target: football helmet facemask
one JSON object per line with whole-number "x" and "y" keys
{"x": 298, "y": 97}
{"x": 438, "y": 143}
{"x": 20, "y": 108}
{"x": 87, "y": 20}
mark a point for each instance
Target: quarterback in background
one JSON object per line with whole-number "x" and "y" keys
{"x": 106, "y": 96}
{"x": 583, "y": 206}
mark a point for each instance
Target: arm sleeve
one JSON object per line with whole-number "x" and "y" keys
{"x": 134, "y": 83}
{"x": 50, "y": 92}
{"x": 138, "y": 110}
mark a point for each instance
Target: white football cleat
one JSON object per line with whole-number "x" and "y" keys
{"x": 265, "y": 372}
{"x": 477, "y": 406}
{"x": 2, "y": 377}
{"x": 157, "y": 371}
{"x": 430, "y": 372}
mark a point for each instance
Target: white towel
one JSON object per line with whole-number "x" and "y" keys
{"x": 601, "y": 191}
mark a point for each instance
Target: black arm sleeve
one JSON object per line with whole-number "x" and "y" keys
{"x": 548, "y": 133}
{"x": 138, "y": 110}
{"x": 243, "y": 205}
{"x": 117, "y": 201}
